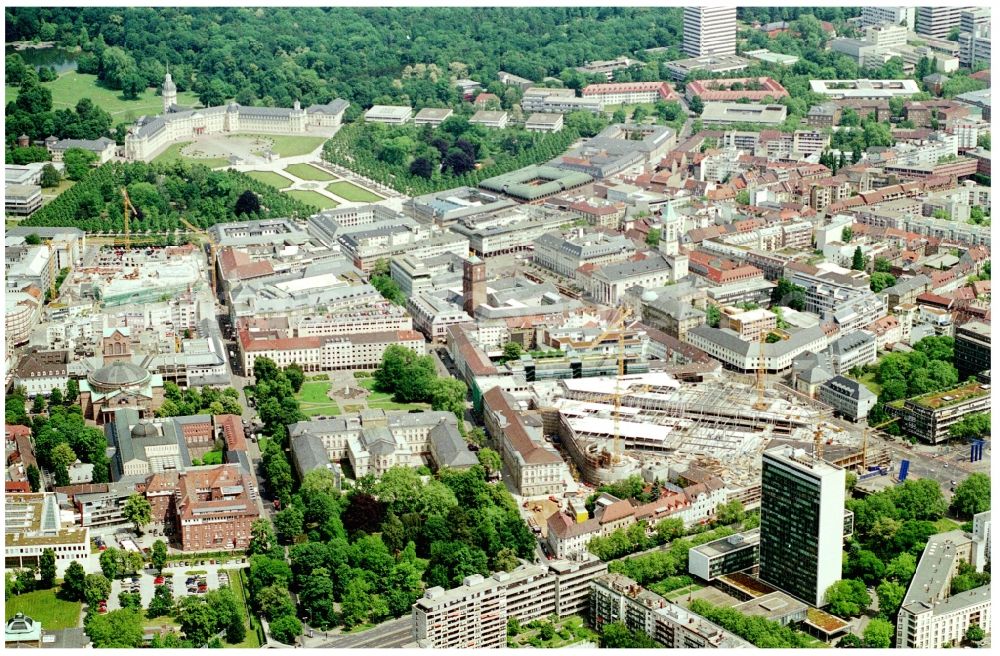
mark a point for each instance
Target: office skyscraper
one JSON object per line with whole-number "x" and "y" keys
{"x": 938, "y": 21}
{"x": 801, "y": 523}
{"x": 709, "y": 31}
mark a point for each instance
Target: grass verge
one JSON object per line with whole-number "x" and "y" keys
{"x": 276, "y": 180}
{"x": 312, "y": 198}
{"x": 44, "y": 606}
{"x": 352, "y": 192}
{"x": 308, "y": 172}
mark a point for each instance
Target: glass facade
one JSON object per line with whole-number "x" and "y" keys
{"x": 789, "y": 529}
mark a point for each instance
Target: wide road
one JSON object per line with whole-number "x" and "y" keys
{"x": 395, "y": 633}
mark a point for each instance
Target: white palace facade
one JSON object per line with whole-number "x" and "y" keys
{"x": 150, "y": 135}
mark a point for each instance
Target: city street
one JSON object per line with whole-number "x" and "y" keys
{"x": 394, "y": 633}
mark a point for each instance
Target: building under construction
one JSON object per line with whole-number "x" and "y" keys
{"x": 719, "y": 426}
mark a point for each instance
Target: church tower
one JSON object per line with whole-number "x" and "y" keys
{"x": 169, "y": 93}
{"x": 473, "y": 284}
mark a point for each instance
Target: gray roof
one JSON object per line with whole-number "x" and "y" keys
{"x": 850, "y": 388}
{"x": 335, "y": 106}
{"x": 590, "y": 245}
{"x": 730, "y": 340}
{"x": 85, "y": 144}
{"x": 119, "y": 374}
{"x": 625, "y": 270}
{"x": 378, "y": 441}
{"x": 308, "y": 453}
{"x": 906, "y": 285}
{"x": 851, "y": 341}
{"x": 450, "y": 447}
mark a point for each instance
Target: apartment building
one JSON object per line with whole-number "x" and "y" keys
{"x": 826, "y": 285}
{"x": 557, "y": 101}
{"x": 745, "y": 356}
{"x": 433, "y": 312}
{"x": 928, "y": 417}
{"x": 754, "y": 89}
{"x": 848, "y": 398}
{"x": 617, "y": 598}
{"x": 475, "y": 614}
{"x": 801, "y": 523}
{"x": 930, "y": 617}
{"x": 721, "y": 113}
{"x": 608, "y": 214}
{"x": 629, "y": 93}
{"x": 905, "y": 16}
{"x": 709, "y": 31}
{"x": 865, "y": 89}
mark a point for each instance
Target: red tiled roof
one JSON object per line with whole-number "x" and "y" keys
{"x": 514, "y": 432}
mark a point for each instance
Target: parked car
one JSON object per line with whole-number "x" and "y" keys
{"x": 192, "y": 589}
{"x": 159, "y": 580}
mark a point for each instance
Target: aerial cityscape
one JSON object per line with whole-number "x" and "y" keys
{"x": 453, "y": 327}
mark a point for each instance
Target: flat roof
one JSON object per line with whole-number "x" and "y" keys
{"x": 434, "y": 113}
{"x": 389, "y": 111}
{"x": 547, "y": 119}
{"x": 730, "y": 543}
{"x": 944, "y": 398}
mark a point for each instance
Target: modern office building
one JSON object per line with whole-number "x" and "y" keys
{"x": 801, "y": 523}
{"x": 848, "y": 398}
{"x": 871, "y": 16}
{"x": 930, "y": 416}
{"x": 735, "y": 553}
{"x": 709, "y": 31}
{"x": 938, "y": 21}
{"x": 972, "y": 348}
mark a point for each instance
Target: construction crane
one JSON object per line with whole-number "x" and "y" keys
{"x": 126, "y": 206}
{"x": 211, "y": 249}
{"x": 761, "y": 404}
{"x": 618, "y": 323}
{"x": 864, "y": 441}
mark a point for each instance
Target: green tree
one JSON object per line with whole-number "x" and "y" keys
{"x": 197, "y": 619}
{"x": 713, "y": 315}
{"x": 848, "y": 598}
{"x": 878, "y": 634}
{"x": 62, "y": 457}
{"x": 274, "y": 602}
{"x": 846, "y": 235}
{"x": 74, "y": 579}
{"x": 47, "y": 569}
{"x": 490, "y": 460}
{"x": 286, "y": 629}
{"x": 890, "y": 597}
{"x": 34, "y": 477}
{"x": 138, "y": 511}
{"x": 972, "y": 426}
{"x": 162, "y": 602}
{"x": 96, "y": 588}
{"x": 975, "y": 634}
{"x": 902, "y": 568}
{"x": 616, "y": 635}
{"x": 731, "y": 512}
{"x": 972, "y": 496}
{"x": 119, "y": 629}
{"x": 288, "y": 524}
{"x": 858, "y": 260}
{"x": 295, "y": 376}
{"x": 880, "y": 281}
{"x": 78, "y": 163}
{"x": 511, "y": 351}
{"x": 226, "y": 611}
{"x": 111, "y": 562}
{"x": 920, "y": 499}
{"x": 653, "y": 237}
{"x": 50, "y": 176}
{"x": 262, "y": 538}
{"x": 159, "y": 555}
{"x": 130, "y": 600}
{"x": 696, "y": 105}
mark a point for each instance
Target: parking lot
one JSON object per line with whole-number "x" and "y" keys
{"x": 176, "y": 577}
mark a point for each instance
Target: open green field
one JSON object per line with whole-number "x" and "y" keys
{"x": 312, "y": 198}
{"x": 287, "y": 145}
{"x": 173, "y": 153}
{"x": 629, "y": 109}
{"x": 308, "y": 172}
{"x": 70, "y": 87}
{"x": 944, "y": 525}
{"x": 868, "y": 380}
{"x": 352, "y": 192}
{"x": 313, "y": 400}
{"x": 271, "y": 178}
{"x": 43, "y": 606}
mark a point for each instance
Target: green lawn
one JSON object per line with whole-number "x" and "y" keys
{"x": 944, "y": 525}
{"x": 312, "y": 198}
{"x": 270, "y": 178}
{"x": 313, "y": 400}
{"x": 51, "y": 193}
{"x": 70, "y": 87}
{"x": 383, "y": 400}
{"x": 869, "y": 381}
{"x": 350, "y": 191}
{"x": 629, "y": 109}
{"x": 573, "y": 627}
{"x": 289, "y": 145}
{"x": 308, "y": 172}
{"x": 173, "y": 153}
{"x": 43, "y": 606}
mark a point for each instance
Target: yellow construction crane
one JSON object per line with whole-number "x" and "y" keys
{"x": 761, "y": 404}
{"x": 126, "y": 206}
{"x": 211, "y": 249}
{"x": 864, "y": 441}
{"x": 618, "y": 323}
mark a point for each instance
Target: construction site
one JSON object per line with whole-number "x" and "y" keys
{"x": 616, "y": 427}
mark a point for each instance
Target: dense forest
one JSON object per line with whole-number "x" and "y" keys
{"x": 162, "y": 193}
{"x": 267, "y": 56}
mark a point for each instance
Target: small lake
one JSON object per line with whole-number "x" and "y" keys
{"x": 61, "y": 59}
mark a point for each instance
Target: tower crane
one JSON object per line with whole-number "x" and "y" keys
{"x": 618, "y": 324}
{"x": 126, "y": 206}
{"x": 760, "y": 403}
